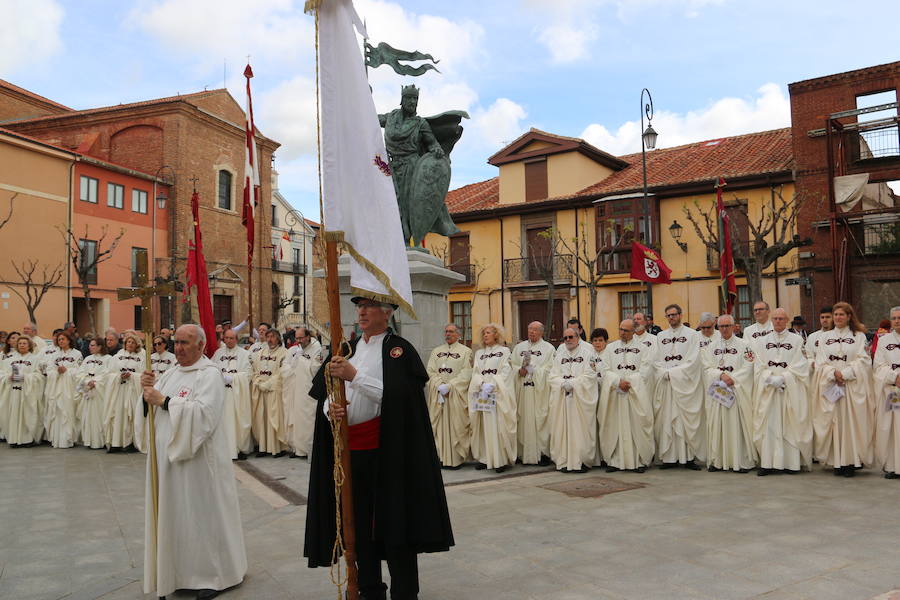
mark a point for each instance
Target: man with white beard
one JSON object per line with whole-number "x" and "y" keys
{"x": 728, "y": 379}
{"x": 234, "y": 363}
{"x": 198, "y": 542}
{"x": 449, "y": 373}
{"x": 302, "y": 364}
{"x": 678, "y": 397}
{"x": 573, "y": 406}
{"x": 887, "y": 398}
{"x": 762, "y": 327}
{"x": 782, "y": 422}
{"x": 708, "y": 333}
{"x": 625, "y": 411}
{"x": 531, "y": 360}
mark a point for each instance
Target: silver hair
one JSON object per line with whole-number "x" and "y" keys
{"x": 725, "y": 316}
{"x": 198, "y": 331}
{"x": 388, "y": 310}
{"x": 453, "y": 325}
{"x": 707, "y": 316}
{"x": 895, "y": 309}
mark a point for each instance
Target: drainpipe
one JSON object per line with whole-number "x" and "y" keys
{"x": 774, "y": 238}
{"x": 577, "y": 287}
{"x": 69, "y": 227}
{"x": 502, "y": 286}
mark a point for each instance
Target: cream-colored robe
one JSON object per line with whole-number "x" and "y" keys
{"x": 299, "y": 409}
{"x": 61, "y": 419}
{"x": 234, "y": 363}
{"x": 45, "y": 359}
{"x": 706, "y": 343}
{"x": 160, "y": 362}
{"x": 625, "y": 419}
{"x": 19, "y": 400}
{"x": 91, "y": 407}
{"x": 123, "y": 400}
{"x": 678, "y": 400}
{"x": 573, "y": 415}
{"x": 844, "y": 429}
{"x": 532, "y": 400}
{"x": 450, "y": 365}
{"x": 729, "y": 431}
{"x": 493, "y": 432}
{"x": 649, "y": 346}
{"x": 200, "y": 543}
{"x": 268, "y": 422}
{"x": 756, "y": 332}
{"x": 782, "y": 420}
{"x": 887, "y": 432}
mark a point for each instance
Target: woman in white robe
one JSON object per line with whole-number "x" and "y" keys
{"x": 843, "y": 406}
{"x": 91, "y": 406}
{"x": 61, "y": 418}
{"x": 599, "y": 341}
{"x": 9, "y": 348}
{"x": 21, "y": 387}
{"x": 887, "y": 398}
{"x": 123, "y": 391}
{"x": 161, "y": 360}
{"x": 492, "y": 403}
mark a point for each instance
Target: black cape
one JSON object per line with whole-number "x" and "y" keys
{"x": 410, "y": 507}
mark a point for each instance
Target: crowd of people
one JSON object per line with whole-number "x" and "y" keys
{"x": 772, "y": 399}
{"x": 69, "y": 390}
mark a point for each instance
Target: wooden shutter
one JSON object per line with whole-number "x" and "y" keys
{"x": 536, "y": 179}
{"x": 459, "y": 249}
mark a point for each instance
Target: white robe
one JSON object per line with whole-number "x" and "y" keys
{"x": 729, "y": 430}
{"x": 268, "y": 423}
{"x": 782, "y": 421}
{"x": 299, "y": 407}
{"x": 649, "y": 345}
{"x": 757, "y": 331}
{"x": 887, "y": 432}
{"x": 234, "y": 364}
{"x": 91, "y": 407}
{"x": 532, "y": 399}
{"x": 450, "y": 365}
{"x": 573, "y": 414}
{"x": 45, "y": 359}
{"x": 625, "y": 419}
{"x": 493, "y": 431}
{"x": 61, "y": 419}
{"x": 679, "y": 398}
{"x": 844, "y": 428}
{"x": 123, "y": 398}
{"x": 160, "y": 362}
{"x": 200, "y": 543}
{"x": 706, "y": 343}
{"x": 20, "y": 400}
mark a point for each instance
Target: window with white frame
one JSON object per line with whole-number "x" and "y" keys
{"x": 139, "y": 201}
{"x": 115, "y": 195}
{"x": 89, "y": 189}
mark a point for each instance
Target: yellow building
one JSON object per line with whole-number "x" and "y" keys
{"x": 593, "y": 201}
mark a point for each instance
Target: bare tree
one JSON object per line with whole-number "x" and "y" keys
{"x": 539, "y": 263}
{"x": 85, "y": 259}
{"x": 36, "y": 286}
{"x": 771, "y": 235}
{"x": 9, "y": 213}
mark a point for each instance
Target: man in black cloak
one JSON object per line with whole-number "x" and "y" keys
{"x": 399, "y": 504}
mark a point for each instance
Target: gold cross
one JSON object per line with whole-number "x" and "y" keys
{"x": 146, "y": 293}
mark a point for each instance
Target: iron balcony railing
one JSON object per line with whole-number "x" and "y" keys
{"x": 288, "y": 267}
{"x": 537, "y": 268}
{"x": 871, "y": 141}
{"x": 881, "y": 238}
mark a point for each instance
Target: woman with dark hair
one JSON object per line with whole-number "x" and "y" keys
{"x": 91, "y": 377}
{"x": 9, "y": 346}
{"x": 123, "y": 390}
{"x": 843, "y": 405}
{"x": 59, "y": 393}
{"x": 161, "y": 360}
{"x": 268, "y": 422}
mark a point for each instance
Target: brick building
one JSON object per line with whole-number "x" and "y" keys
{"x": 847, "y": 155}
{"x": 193, "y": 141}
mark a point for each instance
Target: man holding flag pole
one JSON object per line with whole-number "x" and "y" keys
{"x": 375, "y": 487}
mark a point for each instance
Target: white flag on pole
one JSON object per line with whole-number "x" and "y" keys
{"x": 359, "y": 202}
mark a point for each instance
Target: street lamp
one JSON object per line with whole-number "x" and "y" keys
{"x": 648, "y": 142}
{"x": 675, "y": 231}
{"x": 295, "y": 217}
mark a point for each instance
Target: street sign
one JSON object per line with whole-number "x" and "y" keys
{"x": 798, "y": 281}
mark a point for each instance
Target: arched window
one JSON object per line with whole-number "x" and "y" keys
{"x": 224, "y": 190}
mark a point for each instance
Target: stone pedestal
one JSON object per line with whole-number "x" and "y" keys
{"x": 431, "y": 282}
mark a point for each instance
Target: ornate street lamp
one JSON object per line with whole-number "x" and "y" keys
{"x": 295, "y": 217}
{"x": 675, "y": 231}
{"x": 648, "y": 142}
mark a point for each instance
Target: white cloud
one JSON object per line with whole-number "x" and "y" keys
{"x": 29, "y": 33}
{"x": 770, "y": 109}
{"x": 287, "y": 113}
{"x": 567, "y": 43}
{"x": 500, "y": 123}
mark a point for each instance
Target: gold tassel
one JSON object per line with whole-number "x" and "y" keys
{"x": 312, "y": 6}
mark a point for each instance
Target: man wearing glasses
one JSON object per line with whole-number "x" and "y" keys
{"x": 302, "y": 364}
{"x": 762, "y": 327}
{"x": 678, "y": 398}
{"x": 648, "y": 343}
{"x": 573, "y": 405}
{"x": 531, "y": 361}
{"x": 708, "y": 333}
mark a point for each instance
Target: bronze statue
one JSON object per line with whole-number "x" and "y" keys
{"x": 419, "y": 153}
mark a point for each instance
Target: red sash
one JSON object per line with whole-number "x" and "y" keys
{"x": 365, "y": 436}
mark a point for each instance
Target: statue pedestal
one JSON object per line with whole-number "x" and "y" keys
{"x": 431, "y": 282}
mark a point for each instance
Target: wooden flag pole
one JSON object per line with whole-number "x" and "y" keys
{"x": 348, "y": 530}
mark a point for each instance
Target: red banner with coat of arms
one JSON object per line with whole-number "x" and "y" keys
{"x": 647, "y": 265}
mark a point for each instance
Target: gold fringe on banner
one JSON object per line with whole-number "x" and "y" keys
{"x": 312, "y": 6}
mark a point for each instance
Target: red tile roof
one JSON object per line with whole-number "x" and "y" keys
{"x": 32, "y": 95}
{"x": 761, "y": 153}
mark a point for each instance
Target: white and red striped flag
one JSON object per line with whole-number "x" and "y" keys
{"x": 251, "y": 174}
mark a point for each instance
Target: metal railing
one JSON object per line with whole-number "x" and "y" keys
{"x": 873, "y": 141}
{"x": 537, "y": 268}
{"x": 468, "y": 271}
{"x": 881, "y": 238}
{"x": 288, "y": 267}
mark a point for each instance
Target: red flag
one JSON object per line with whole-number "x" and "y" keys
{"x": 728, "y": 287}
{"x": 197, "y": 276}
{"x": 646, "y": 265}
{"x": 251, "y": 173}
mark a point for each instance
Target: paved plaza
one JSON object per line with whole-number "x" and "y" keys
{"x": 71, "y": 526}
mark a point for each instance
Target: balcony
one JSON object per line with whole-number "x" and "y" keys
{"x": 881, "y": 238}
{"x": 467, "y": 271}
{"x": 281, "y": 266}
{"x": 521, "y": 270}
{"x": 873, "y": 141}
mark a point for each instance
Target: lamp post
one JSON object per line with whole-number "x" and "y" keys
{"x": 294, "y": 217}
{"x": 648, "y": 142}
{"x": 159, "y": 201}
{"x": 675, "y": 231}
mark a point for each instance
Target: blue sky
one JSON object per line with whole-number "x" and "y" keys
{"x": 572, "y": 67}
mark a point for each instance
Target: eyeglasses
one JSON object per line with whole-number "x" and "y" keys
{"x": 670, "y": 315}
{"x": 569, "y": 337}
{"x": 625, "y": 330}
{"x": 159, "y": 343}
{"x": 704, "y": 327}
{"x": 759, "y": 309}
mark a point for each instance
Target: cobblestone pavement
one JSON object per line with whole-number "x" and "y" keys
{"x": 71, "y": 526}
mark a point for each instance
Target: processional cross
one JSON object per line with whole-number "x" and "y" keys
{"x": 146, "y": 292}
